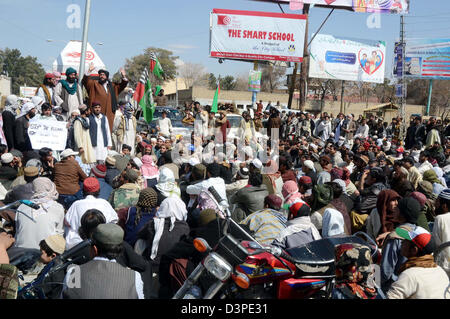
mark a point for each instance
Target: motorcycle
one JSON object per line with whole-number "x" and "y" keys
{"x": 246, "y": 269}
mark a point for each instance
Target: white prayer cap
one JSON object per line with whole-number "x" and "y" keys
{"x": 309, "y": 164}
{"x": 193, "y": 161}
{"x": 7, "y": 158}
{"x": 27, "y": 107}
{"x": 257, "y": 163}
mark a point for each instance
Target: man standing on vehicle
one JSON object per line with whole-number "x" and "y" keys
{"x": 164, "y": 125}
{"x": 201, "y": 120}
{"x": 160, "y": 98}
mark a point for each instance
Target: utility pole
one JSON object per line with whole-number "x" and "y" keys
{"x": 303, "y": 69}
{"x": 402, "y": 41}
{"x": 305, "y": 63}
{"x": 87, "y": 13}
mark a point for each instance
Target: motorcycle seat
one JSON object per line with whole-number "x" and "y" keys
{"x": 317, "y": 257}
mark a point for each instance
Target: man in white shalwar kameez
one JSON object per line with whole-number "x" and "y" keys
{"x": 124, "y": 128}
{"x": 100, "y": 133}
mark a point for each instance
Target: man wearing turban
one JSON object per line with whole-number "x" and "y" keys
{"x": 104, "y": 91}
{"x": 69, "y": 93}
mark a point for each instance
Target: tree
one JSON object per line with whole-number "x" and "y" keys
{"x": 193, "y": 74}
{"x": 212, "y": 81}
{"x": 385, "y": 92}
{"x": 21, "y": 70}
{"x": 227, "y": 83}
{"x": 271, "y": 77}
{"x": 136, "y": 65}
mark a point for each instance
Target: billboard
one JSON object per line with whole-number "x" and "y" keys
{"x": 370, "y": 6}
{"x": 425, "y": 58}
{"x": 347, "y": 59}
{"x": 251, "y": 35}
{"x": 70, "y": 57}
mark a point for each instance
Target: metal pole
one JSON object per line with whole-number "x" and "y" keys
{"x": 87, "y": 13}
{"x": 430, "y": 91}
{"x": 342, "y": 97}
{"x": 402, "y": 40}
{"x": 176, "y": 90}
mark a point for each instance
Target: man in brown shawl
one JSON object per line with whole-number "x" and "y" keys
{"x": 104, "y": 91}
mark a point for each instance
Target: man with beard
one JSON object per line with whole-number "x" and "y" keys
{"x": 9, "y": 118}
{"x": 349, "y": 128}
{"x": 46, "y": 89}
{"x": 22, "y": 140}
{"x": 432, "y": 133}
{"x": 441, "y": 225}
{"x": 104, "y": 92}
{"x": 68, "y": 93}
{"x": 415, "y": 133}
{"x": 99, "y": 132}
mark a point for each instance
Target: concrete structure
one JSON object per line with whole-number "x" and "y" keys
{"x": 5, "y": 85}
{"x": 5, "y": 89}
{"x": 244, "y": 98}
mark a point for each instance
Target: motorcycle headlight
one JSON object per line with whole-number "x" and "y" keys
{"x": 218, "y": 266}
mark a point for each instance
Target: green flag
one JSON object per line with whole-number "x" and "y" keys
{"x": 146, "y": 103}
{"x": 215, "y": 100}
{"x": 155, "y": 66}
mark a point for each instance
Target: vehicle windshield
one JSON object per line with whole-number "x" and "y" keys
{"x": 171, "y": 114}
{"x": 235, "y": 121}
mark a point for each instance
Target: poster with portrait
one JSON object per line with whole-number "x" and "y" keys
{"x": 347, "y": 59}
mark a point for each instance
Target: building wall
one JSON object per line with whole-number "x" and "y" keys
{"x": 5, "y": 85}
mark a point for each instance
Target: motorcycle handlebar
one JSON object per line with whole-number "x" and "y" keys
{"x": 216, "y": 195}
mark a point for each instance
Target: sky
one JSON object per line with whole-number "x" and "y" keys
{"x": 122, "y": 29}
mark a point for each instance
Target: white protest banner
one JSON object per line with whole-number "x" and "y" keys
{"x": 48, "y": 133}
{"x": 252, "y": 35}
{"x": 349, "y": 60}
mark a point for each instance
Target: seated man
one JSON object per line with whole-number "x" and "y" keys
{"x": 267, "y": 224}
{"x": 103, "y": 277}
{"x": 300, "y": 230}
{"x": 91, "y": 190}
{"x": 419, "y": 277}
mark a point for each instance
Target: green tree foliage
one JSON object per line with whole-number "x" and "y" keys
{"x": 212, "y": 81}
{"x": 21, "y": 70}
{"x": 136, "y": 65}
{"x": 227, "y": 83}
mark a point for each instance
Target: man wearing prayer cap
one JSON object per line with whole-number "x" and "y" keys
{"x": 9, "y": 118}
{"x": 69, "y": 93}
{"x": 22, "y": 140}
{"x": 47, "y": 88}
{"x": 104, "y": 91}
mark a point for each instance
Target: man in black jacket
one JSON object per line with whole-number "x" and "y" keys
{"x": 22, "y": 140}
{"x": 9, "y": 119}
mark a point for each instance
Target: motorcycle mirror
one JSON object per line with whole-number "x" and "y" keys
{"x": 201, "y": 245}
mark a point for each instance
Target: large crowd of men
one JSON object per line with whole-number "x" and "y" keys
{"x": 288, "y": 177}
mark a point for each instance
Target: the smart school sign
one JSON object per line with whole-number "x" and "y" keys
{"x": 252, "y": 35}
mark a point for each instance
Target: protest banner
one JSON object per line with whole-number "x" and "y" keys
{"x": 252, "y": 35}
{"x": 47, "y": 133}
{"x": 349, "y": 60}
{"x": 426, "y": 59}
